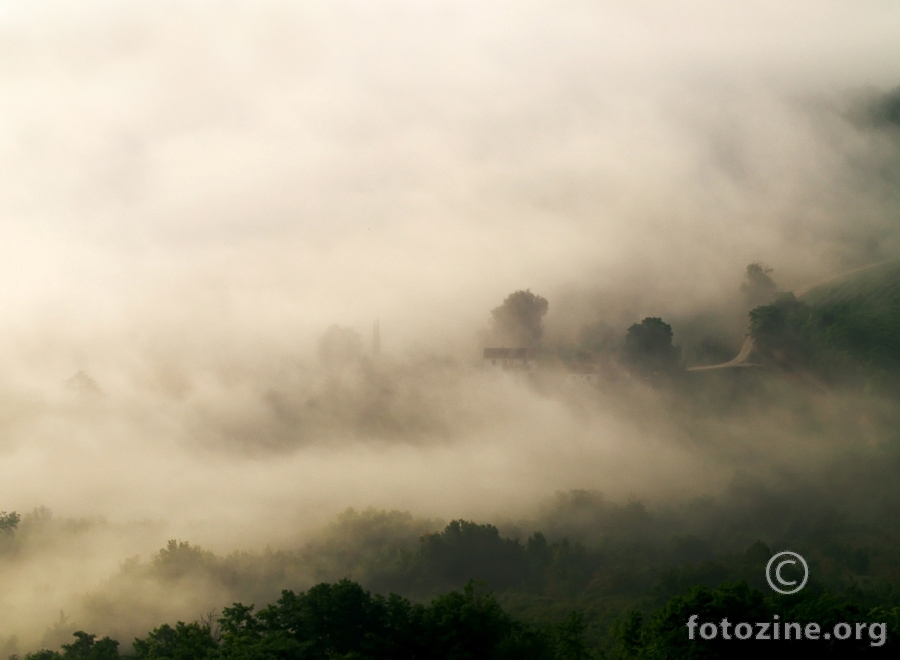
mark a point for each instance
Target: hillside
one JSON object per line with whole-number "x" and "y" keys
{"x": 846, "y": 330}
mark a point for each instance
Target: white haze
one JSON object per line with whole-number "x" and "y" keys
{"x": 191, "y": 193}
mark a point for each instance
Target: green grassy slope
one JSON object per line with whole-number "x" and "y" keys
{"x": 847, "y": 329}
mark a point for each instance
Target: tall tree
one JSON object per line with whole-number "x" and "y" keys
{"x": 519, "y": 320}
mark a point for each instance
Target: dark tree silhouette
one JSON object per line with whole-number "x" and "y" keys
{"x": 519, "y": 320}
{"x": 648, "y": 346}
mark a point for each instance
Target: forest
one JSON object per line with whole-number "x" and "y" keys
{"x": 585, "y": 577}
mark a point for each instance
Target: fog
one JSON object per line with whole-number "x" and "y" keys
{"x": 190, "y": 197}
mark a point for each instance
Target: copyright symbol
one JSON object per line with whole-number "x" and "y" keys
{"x": 773, "y": 569}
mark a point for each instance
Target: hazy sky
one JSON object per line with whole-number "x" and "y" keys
{"x": 191, "y": 193}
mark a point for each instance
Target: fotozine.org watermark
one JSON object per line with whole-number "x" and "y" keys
{"x": 776, "y": 629}
{"x": 791, "y": 563}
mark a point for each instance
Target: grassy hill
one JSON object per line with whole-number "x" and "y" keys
{"x": 844, "y": 330}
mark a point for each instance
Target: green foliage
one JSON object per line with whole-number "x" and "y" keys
{"x": 9, "y": 522}
{"x": 666, "y": 635}
{"x": 781, "y": 326}
{"x": 569, "y": 639}
{"x": 465, "y": 550}
{"x": 847, "y": 333}
{"x": 183, "y": 642}
{"x": 344, "y": 621}
{"x": 519, "y": 320}
{"x": 85, "y": 647}
{"x": 180, "y": 558}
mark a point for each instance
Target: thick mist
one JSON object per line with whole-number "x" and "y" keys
{"x": 190, "y": 197}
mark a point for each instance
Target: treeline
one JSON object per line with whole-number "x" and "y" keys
{"x": 345, "y": 621}
{"x": 621, "y": 568}
{"x": 846, "y": 333}
{"x": 599, "y": 559}
{"x": 590, "y": 554}
{"x": 332, "y": 621}
{"x": 854, "y": 625}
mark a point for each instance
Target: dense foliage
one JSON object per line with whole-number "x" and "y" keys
{"x": 344, "y": 621}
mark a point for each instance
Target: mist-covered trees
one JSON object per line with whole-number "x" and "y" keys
{"x": 780, "y": 326}
{"x": 185, "y": 641}
{"x": 758, "y": 287}
{"x": 519, "y": 320}
{"x": 664, "y": 634}
{"x": 884, "y": 109}
{"x": 9, "y": 522}
{"x": 851, "y": 338}
{"x": 466, "y": 550}
{"x": 85, "y": 647}
{"x": 343, "y": 620}
{"x": 648, "y": 346}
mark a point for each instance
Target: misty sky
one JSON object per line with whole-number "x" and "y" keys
{"x": 190, "y": 194}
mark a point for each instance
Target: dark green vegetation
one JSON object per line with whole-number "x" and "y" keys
{"x": 344, "y": 621}
{"x": 840, "y": 333}
{"x": 627, "y": 591}
{"x": 601, "y": 579}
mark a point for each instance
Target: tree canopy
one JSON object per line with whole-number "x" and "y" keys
{"x": 9, "y": 521}
{"x": 519, "y": 320}
{"x": 648, "y": 346}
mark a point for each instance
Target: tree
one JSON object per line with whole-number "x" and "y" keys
{"x": 784, "y": 325}
{"x": 466, "y": 550}
{"x": 519, "y": 320}
{"x": 648, "y": 346}
{"x": 9, "y": 522}
{"x": 85, "y": 647}
{"x": 191, "y": 641}
{"x": 758, "y": 288}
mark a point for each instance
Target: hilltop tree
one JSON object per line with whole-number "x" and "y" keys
{"x": 519, "y": 320}
{"x": 648, "y": 345}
